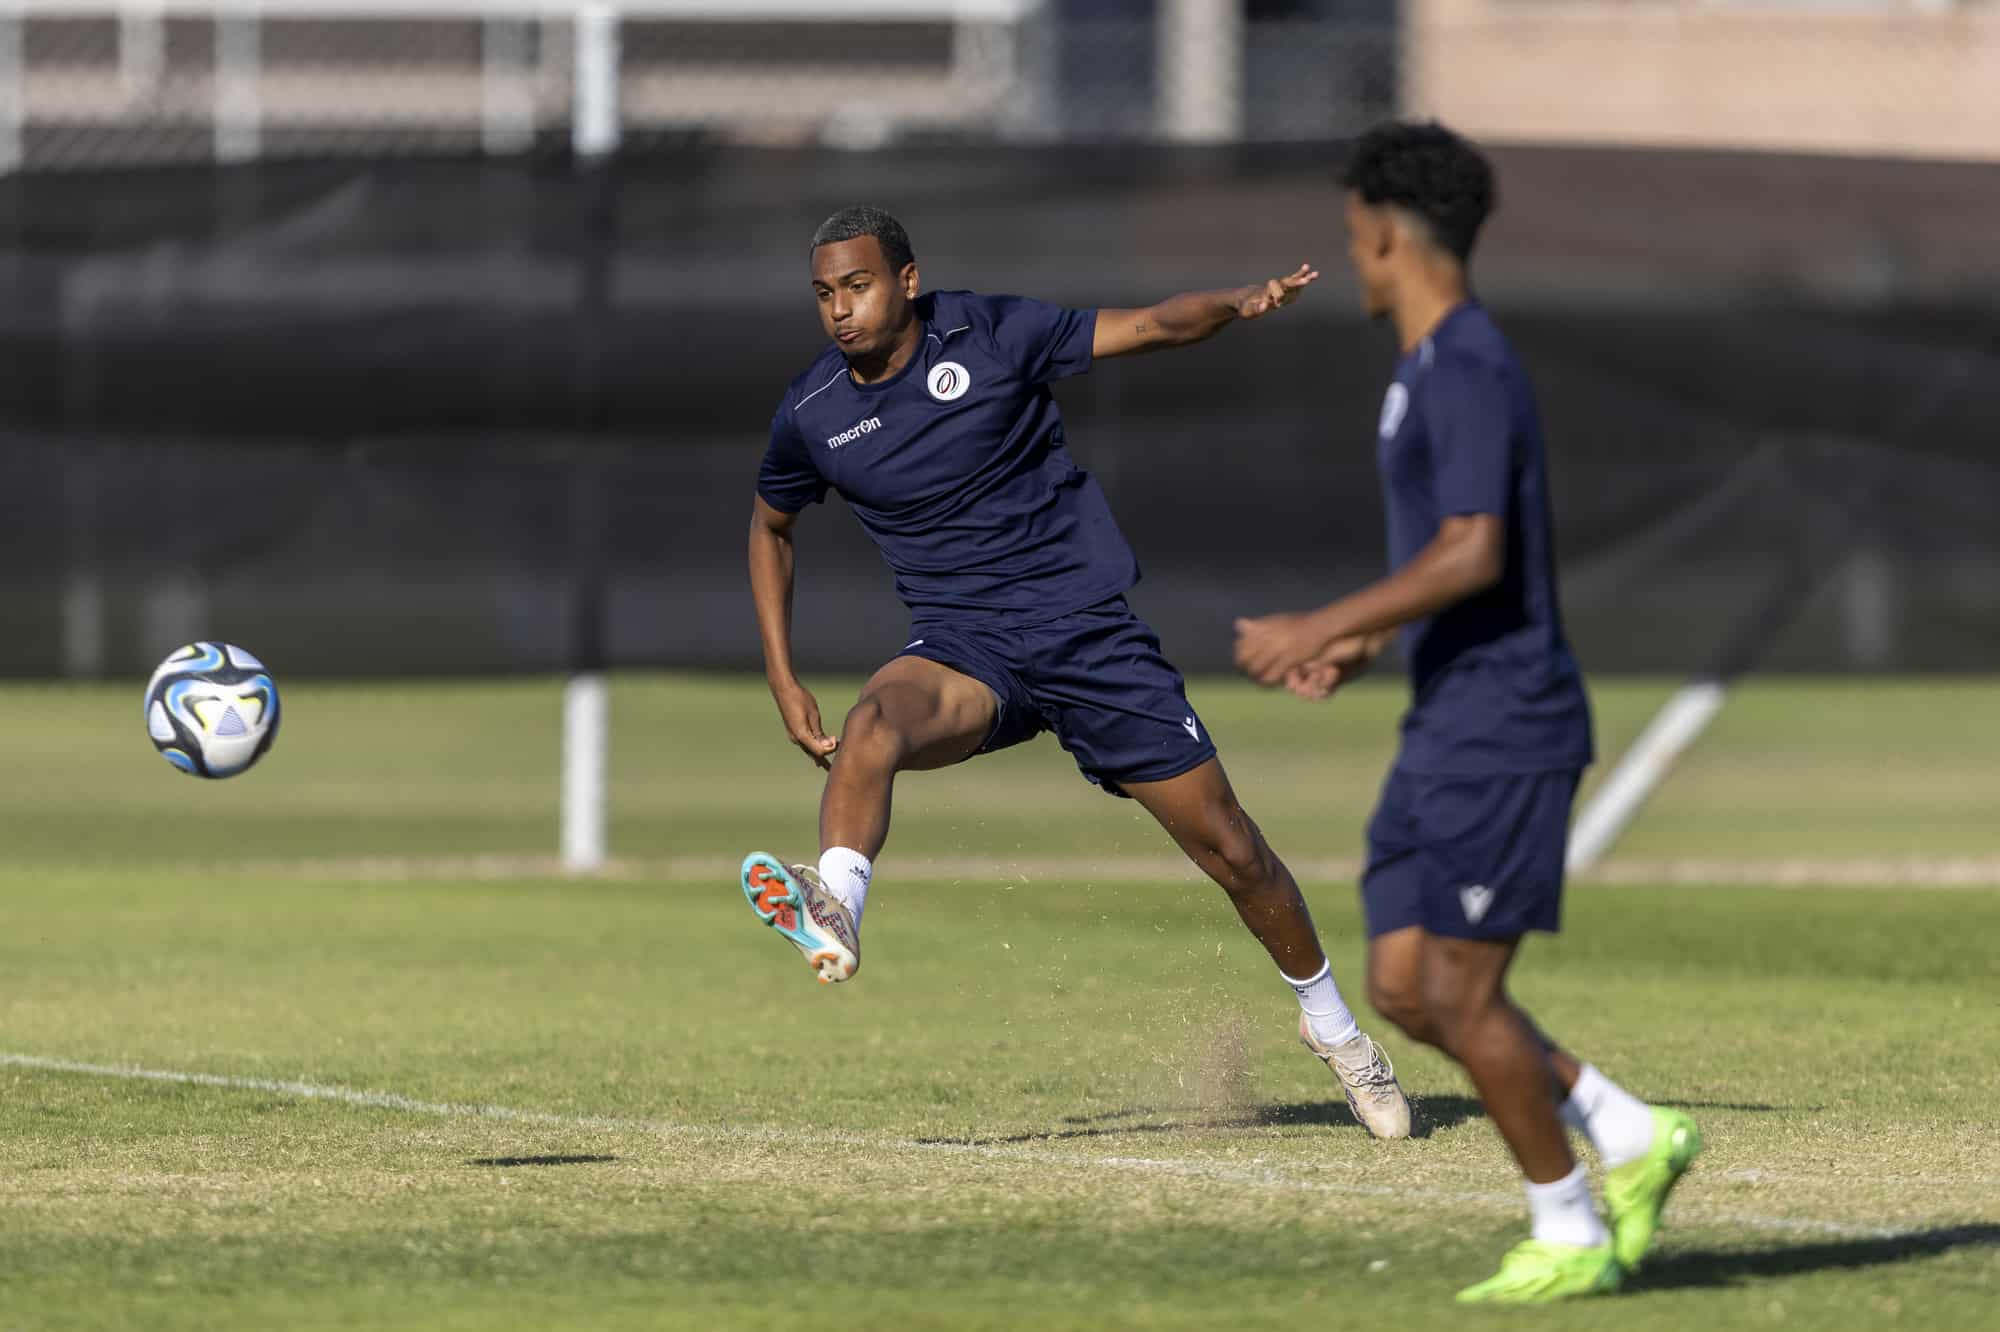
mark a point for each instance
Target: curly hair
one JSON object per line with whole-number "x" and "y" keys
{"x": 862, "y": 220}
{"x": 1429, "y": 172}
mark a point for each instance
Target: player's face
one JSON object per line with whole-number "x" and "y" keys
{"x": 862, "y": 305}
{"x": 1371, "y": 241}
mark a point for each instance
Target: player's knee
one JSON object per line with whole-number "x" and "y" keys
{"x": 1239, "y": 850}
{"x": 1401, "y": 1004}
{"x": 1394, "y": 993}
{"x": 868, "y": 738}
{"x": 1455, "y": 1015}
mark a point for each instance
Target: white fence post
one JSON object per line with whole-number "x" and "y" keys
{"x": 586, "y": 751}
{"x": 595, "y": 124}
{"x": 142, "y": 52}
{"x": 506, "y": 90}
{"x": 594, "y": 134}
{"x": 1201, "y": 70}
{"x": 13, "y": 92}
{"x": 238, "y": 103}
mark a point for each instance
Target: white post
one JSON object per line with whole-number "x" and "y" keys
{"x": 595, "y": 120}
{"x": 238, "y": 108}
{"x": 1201, "y": 70}
{"x": 507, "y": 95}
{"x": 594, "y": 134}
{"x": 142, "y": 53}
{"x": 586, "y": 746}
{"x": 13, "y": 95}
{"x": 1642, "y": 769}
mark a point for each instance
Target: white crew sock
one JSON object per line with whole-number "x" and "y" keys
{"x": 1326, "y": 1013}
{"x": 1619, "y": 1124}
{"x": 1563, "y": 1212}
{"x": 845, "y": 874}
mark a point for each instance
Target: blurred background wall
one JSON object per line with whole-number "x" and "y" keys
{"x": 399, "y": 336}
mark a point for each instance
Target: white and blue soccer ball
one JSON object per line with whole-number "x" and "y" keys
{"x": 212, "y": 709}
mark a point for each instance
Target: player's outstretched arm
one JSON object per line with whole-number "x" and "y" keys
{"x": 1194, "y": 315}
{"x": 771, "y": 563}
{"x": 1467, "y": 556}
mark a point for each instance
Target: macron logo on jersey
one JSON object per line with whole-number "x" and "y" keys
{"x": 854, "y": 432}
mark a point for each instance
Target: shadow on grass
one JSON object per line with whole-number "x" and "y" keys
{"x": 1428, "y": 1114}
{"x": 1743, "y": 1107}
{"x": 1698, "y": 1268}
{"x": 539, "y": 1160}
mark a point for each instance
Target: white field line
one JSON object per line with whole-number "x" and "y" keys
{"x": 1251, "y": 1176}
{"x": 1915, "y": 872}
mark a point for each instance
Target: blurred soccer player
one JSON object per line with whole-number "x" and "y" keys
{"x": 1465, "y": 852}
{"x": 931, "y": 416}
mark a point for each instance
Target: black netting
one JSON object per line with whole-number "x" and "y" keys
{"x": 405, "y": 417}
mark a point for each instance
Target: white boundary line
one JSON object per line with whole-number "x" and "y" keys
{"x": 1177, "y": 1168}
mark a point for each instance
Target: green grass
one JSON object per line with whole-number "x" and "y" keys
{"x": 700, "y": 767}
{"x": 1051, "y": 1099}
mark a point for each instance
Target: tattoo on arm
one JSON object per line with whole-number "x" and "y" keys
{"x": 1142, "y": 327}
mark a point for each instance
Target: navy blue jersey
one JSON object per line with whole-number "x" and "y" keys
{"x": 956, "y": 465}
{"x": 1494, "y": 686}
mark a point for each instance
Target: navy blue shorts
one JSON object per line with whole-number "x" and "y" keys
{"x": 1096, "y": 677}
{"x": 1468, "y": 857}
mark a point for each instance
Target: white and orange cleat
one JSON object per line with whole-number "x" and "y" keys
{"x": 1369, "y": 1080}
{"x": 792, "y": 901}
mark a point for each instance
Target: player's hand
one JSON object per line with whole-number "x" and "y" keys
{"x": 1264, "y": 297}
{"x": 801, "y": 713}
{"x": 1271, "y": 647}
{"x": 1338, "y": 663}
{"x": 1313, "y": 682}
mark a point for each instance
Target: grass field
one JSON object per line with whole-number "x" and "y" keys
{"x": 445, "y": 1089}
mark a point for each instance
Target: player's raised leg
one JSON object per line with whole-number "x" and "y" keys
{"x": 1200, "y": 812}
{"x": 913, "y": 714}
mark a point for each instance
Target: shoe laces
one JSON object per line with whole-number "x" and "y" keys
{"x": 1378, "y": 1072}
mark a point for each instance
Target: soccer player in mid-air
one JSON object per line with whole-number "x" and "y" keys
{"x": 1465, "y": 852}
{"x": 932, "y": 417}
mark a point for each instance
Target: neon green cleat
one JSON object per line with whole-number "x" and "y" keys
{"x": 1636, "y": 1193}
{"x": 1534, "y": 1272}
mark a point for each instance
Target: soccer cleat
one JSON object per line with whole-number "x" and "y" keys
{"x": 796, "y": 904}
{"x": 1369, "y": 1080}
{"x": 1636, "y": 1193}
{"x": 1536, "y": 1272}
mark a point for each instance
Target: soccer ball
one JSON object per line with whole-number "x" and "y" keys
{"x": 211, "y": 709}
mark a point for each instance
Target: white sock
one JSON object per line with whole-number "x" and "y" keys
{"x": 1563, "y": 1212}
{"x": 1619, "y": 1124}
{"x": 1326, "y": 1013}
{"x": 845, "y": 874}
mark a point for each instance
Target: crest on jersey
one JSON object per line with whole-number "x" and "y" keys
{"x": 948, "y": 381}
{"x": 1394, "y": 408}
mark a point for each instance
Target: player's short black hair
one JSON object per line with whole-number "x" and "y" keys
{"x": 862, "y": 220}
{"x": 1429, "y": 172}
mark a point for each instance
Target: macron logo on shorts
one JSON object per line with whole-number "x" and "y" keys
{"x": 1475, "y": 898}
{"x": 854, "y": 432}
